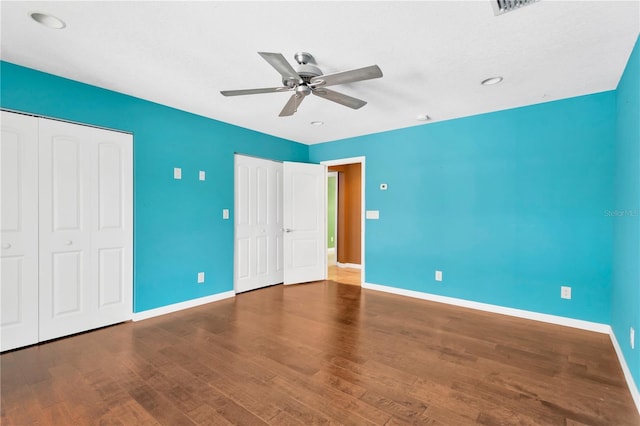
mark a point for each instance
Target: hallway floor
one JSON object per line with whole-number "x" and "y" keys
{"x": 344, "y": 275}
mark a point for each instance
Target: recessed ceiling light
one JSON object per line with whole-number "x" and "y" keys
{"x": 491, "y": 81}
{"x": 48, "y": 20}
{"x": 423, "y": 117}
{"x": 317, "y": 123}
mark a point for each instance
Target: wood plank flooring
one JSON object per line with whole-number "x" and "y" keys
{"x": 320, "y": 353}
{"x": 344, "y": 275}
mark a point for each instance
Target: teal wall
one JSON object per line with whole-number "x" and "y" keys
{"x": 625, "y": 215}
{"x": 178, "y": 225}
{"x": 509, "y": 205}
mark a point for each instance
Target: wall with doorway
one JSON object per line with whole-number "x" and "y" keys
{"x": 509, "y": 209}
{"x": 349, "y": 213}
{"x": 178, "y": 225}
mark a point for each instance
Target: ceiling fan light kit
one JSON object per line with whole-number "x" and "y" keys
{"x": 308, "y": 79}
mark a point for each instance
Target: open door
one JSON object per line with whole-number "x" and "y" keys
{"x": 258, "y": 223}
{"x": 304, "y": 207}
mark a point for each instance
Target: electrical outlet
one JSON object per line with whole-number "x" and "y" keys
{"x": 632, "y": 338}
{"x": 200, "y": 277}
{"x": 565, "y": 292}
{"x": 438, "y": 276}
{"x": 177, "y": 173}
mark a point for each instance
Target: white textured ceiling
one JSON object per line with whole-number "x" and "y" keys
{"x": 433, "y": 55}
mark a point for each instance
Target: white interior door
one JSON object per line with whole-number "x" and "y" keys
{"x": 19, "y": 261}
{"x": 258, "y": 223}
{"x": 85, "y": 228}
{"x": 304, "y": 207}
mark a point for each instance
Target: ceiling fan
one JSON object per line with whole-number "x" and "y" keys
{"x": 308, "y": 79}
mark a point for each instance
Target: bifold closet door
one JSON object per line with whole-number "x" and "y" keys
{"x": 19, "y": 261}
{"x": 85, "y": 218}
{"x": 258, "y": 223}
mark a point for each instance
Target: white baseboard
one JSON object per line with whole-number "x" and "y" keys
{"x": 138, "y": 316}
{"x": 520, "y": 313}
{"x": 635, "y": 394}
{"x": 349, "y": 265}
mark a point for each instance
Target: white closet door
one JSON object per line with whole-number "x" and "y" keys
{"x": 258, "y": 223}
{"x": 112, "y": 224}
{"x": 85, "y": 228}
{"x": 19, "y": 261}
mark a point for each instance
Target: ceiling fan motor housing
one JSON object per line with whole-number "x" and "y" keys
{"x": 308, "y": 71}
{"x": 305, "y": 69}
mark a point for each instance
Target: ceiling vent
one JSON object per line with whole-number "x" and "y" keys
{"x": 503, "y": 6}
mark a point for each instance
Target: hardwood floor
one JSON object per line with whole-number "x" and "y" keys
{"x": 344, "y": 275}
{"x": 320, "y": 353}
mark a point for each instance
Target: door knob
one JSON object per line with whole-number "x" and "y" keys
{"x": 6, "y": 246}
{"x": 287, "y": 230}
{"x": 68, "y": 243}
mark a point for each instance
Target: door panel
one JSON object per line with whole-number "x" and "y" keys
{"x": 258, "y": 223}
{"x": 111, "y": 277}
{"x": 111, "y": 221}
{"x": 65, "y": 203}
{"x": 86, "y": 250}
{"x": 110, "y": 186}
{"x": 65, "y": 180}
{"x": 67, "y": 283}
{"x": 12, "y": 287}
{"x": 19, "y": 231}
{"x": 12, "y": 171}
{"x": 304, "y": 205}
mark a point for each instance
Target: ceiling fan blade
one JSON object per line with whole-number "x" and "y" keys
{"x": 340, "y": 98}
{"x": 281, "y": 65}
{"x": 292, "y": 105}
{"x": 254, "y": 91}
{"x": 366, "y": 73}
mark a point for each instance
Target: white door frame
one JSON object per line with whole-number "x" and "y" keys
{"x": 362, "y": 161}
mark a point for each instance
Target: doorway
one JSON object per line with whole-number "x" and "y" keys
{"x": 349, "y": 231}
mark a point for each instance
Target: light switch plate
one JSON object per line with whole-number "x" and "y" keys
{"x": 372, "y": 214}
{"x": 200, "y": 277}
{"x": 201, "y": 175}
{"x": 438, "y": 276}
{"x": 225, "y": 213}
{"x": 565, "y": 292}
{"x": 177, "y": 173}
